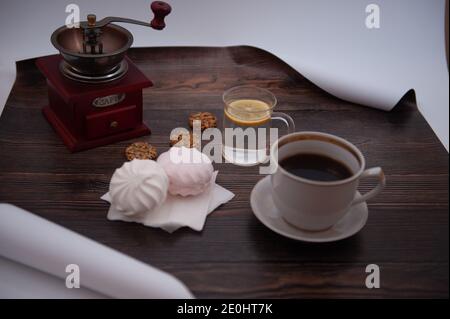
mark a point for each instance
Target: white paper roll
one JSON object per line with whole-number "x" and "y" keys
{"x": 18, "y": 281}
{"x": 48, "y": 247}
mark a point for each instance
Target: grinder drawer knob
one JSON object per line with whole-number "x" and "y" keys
{"x": 114, "y": 124}
{"x": 160, "y": 9}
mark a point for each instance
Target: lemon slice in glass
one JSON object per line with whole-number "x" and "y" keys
{"x": 248, "y": 112}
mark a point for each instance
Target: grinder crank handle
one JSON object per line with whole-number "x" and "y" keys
{"x": 160, "y": 10}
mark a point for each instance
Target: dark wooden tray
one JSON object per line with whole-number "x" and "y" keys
{"x": 235, "y": 255}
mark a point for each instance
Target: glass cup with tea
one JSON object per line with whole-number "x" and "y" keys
{"x": 248, "y": 115}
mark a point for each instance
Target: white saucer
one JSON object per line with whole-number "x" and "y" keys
{"x": 265, "y": 210}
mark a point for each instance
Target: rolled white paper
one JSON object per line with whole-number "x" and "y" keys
{"x": 38, "y": 243}
{"x": 18, "y": 281}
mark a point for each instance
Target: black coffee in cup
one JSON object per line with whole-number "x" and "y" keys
{"x": 316, "y": 167}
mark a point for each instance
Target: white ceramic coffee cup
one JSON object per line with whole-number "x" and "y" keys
{"x": 316, "y": 205}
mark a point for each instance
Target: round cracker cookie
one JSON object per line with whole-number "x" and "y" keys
{"x": 207, "y": 120}
{"x": 185, "y": 139}
{"x": 141, "y": 150}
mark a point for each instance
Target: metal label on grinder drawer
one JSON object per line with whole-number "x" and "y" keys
{"x": 109, "y": 100}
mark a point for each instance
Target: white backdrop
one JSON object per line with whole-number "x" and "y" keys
{"x": 326, "y": 40}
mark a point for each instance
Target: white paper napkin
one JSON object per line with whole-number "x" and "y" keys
{"x": 178, "y": 211}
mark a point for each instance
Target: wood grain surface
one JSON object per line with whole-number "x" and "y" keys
{"x": 235, "y": 255}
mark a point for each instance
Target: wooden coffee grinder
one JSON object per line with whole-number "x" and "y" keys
{"x": 94, "y": 90}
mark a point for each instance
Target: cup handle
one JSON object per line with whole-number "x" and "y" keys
{"x": 286, "y": 119}
{"x": 371, "y": 172}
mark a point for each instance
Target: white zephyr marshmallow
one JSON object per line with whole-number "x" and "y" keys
{"x": 138, "y": 187}
{"x": 189, "y": 170}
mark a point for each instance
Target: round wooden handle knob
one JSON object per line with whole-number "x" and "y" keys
{"x": 91, "y": 19}
{"x": 160, "y": 9}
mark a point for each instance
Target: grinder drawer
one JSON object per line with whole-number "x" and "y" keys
{"x": 111, "y": 122}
